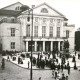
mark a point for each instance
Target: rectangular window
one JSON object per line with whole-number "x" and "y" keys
{"x": 12, "y": 45}
{"x": 12, "y": 31}
{"x": 51, "y": 31}
{"x": 43, "y": 31}
{"x": 58, "y": 31}
{"x": 35, "y": 31}
{"x": 67, "y": 33}
{"x": 36, "y": 19}
{"x": 28, "y": 30}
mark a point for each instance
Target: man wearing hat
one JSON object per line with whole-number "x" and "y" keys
{"x": 56, "y": 72}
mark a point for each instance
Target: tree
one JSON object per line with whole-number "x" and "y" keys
{"x": 24, "y": 7}
{"x": 66, "y": 45}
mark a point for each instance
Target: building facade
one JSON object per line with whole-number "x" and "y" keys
{"x": 45, "y": 26}
{"x": 77, "y": 39}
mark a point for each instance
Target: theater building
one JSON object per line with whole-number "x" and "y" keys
{"x": 48, "y": 28}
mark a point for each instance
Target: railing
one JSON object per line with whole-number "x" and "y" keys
{"x": 46, "y": 37}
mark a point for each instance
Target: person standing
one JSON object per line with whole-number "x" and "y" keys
{"x": 52, "y": 73}
{"x": 8, "y": 59}
{"x": 75, "y": 52}
{"x": 66, "y": 77}
{"x": 68, "y": 70}
{"x": 58, "y": 66}
{"x": 28, "y": 64}
{"x": 63, "y": 77}
{"x": 3, "y": 64}
{"x": 62, "y": 67}
{"x": 56, "y": 73}
{"x": 67, "y": 63}
{"x": 39, "y": 78}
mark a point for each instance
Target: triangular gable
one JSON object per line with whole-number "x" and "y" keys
{"x": 12, "y": 6}
{"x": 37, "y": 8}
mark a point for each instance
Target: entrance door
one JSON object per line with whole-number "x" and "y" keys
{"x": 47, "y": 46}
{"x": 29, "y": 46}
{"x": 55, "y": 45}
{"x": 40, "y": 46}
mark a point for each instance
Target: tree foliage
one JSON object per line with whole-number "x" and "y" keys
{"x": 66, "y": 44}
{"x": 24, "y": 7}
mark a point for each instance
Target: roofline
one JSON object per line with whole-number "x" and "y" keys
{"x": 11, "y": 5}
{"x": 10, "y": 11}
{"x": 49, "y": 7}
{"x": 71, "y": 25}
{"x": 45, "y": 15}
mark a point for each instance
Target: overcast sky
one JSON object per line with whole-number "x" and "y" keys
{"x": 69, "y": 8}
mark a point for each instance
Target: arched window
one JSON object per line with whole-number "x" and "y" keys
{"x": 44, "y": 10}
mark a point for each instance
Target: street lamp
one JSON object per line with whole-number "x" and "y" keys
{"x": 31, "y": 43}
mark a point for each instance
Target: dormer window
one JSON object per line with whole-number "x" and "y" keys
{"x": 17, "y": 8}
{"x": 44, "y": 10}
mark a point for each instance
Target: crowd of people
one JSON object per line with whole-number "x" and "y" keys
{"x": 53, "y": 63}
{"x": 50, "y": 62}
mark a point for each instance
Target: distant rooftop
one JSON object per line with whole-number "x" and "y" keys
{"x": 9, "y": 12}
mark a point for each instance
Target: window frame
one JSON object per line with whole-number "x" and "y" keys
{"x": 35, "y": 31}
{"x": 67, "y": 33}
{"x": 13, "y": 32}
{"x": 28, "y": 30}
{"x": 12, "y": 45}
{"x": 43, "y": 31}
{"x": 58, "y": 32}
{"x": 51, "y": 31}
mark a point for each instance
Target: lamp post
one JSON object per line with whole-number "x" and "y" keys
{"x": 31, "y": 43}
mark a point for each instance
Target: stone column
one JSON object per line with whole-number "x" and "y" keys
{"x": 35, "y": 45}
{"x": 43, "y": 45}
{"x": 27, "y": 46}
{"x": 51, "y": 45}
{"x": 59, "y": 45}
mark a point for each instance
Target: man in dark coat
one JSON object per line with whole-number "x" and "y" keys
{"x": 62, "y": 67}
{"x": 68, "y": 69}
{"x": 63, "y": 77}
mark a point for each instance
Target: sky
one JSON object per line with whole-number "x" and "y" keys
{"x": 69, "y": 8}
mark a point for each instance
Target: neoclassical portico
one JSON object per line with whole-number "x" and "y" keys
{"x": 43, "y": 45}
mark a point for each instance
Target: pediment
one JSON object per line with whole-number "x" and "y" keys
{"x": 44, "y": 9}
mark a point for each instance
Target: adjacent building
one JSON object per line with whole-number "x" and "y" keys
{"x": 77, "y": 39}
{"x": 47, "y": 27}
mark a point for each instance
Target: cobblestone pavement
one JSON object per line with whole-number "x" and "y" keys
{"x": 14, "y": 72}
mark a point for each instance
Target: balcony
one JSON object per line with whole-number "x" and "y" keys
{"x": 46, "y": 37}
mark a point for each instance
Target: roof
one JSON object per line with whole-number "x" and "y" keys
{"x": 48, "y": 6}
{"x": 65, "y": 19}
{"x": 71, "y": 25}
{"x": 11, "y": 5}
{"x": 9, "y": 12}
